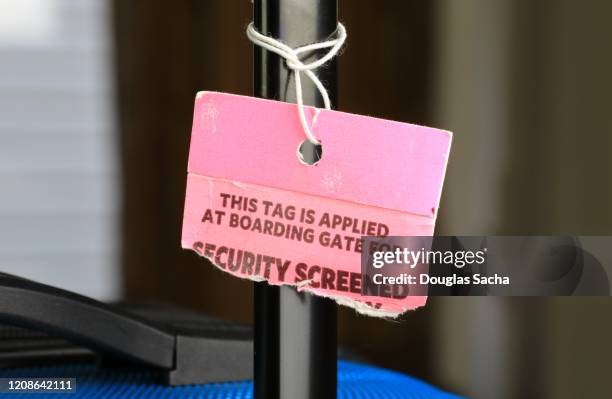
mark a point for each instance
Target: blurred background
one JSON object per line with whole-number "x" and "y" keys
{"x": 96, "y": 100}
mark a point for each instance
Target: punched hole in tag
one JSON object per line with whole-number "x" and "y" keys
{"x": 310, "y": 153}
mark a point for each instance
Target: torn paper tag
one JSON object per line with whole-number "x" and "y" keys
{"x": 257, "y": 212}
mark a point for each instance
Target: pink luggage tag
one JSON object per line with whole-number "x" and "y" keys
{"x": 256, "y": 211}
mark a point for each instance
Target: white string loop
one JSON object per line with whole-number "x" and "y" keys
{"x": 292, "y": 56}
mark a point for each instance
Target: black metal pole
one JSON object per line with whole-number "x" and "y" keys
{"x": 295, "y": 334}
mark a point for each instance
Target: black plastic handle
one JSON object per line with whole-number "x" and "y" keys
{"x": 188, "y": 352}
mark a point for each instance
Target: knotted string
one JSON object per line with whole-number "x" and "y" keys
{"x": 292, "y": 57}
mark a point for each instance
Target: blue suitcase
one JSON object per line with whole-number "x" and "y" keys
{"x": 133, "y": 352}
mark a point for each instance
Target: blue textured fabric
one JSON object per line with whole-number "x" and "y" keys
{"x": 355, "y": 381}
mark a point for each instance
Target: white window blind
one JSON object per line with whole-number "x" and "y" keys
{"x": 58, "y": 190}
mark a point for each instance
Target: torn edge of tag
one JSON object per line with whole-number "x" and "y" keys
{"x": 368, "y": 306}
{"x": 359, "y": 306}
